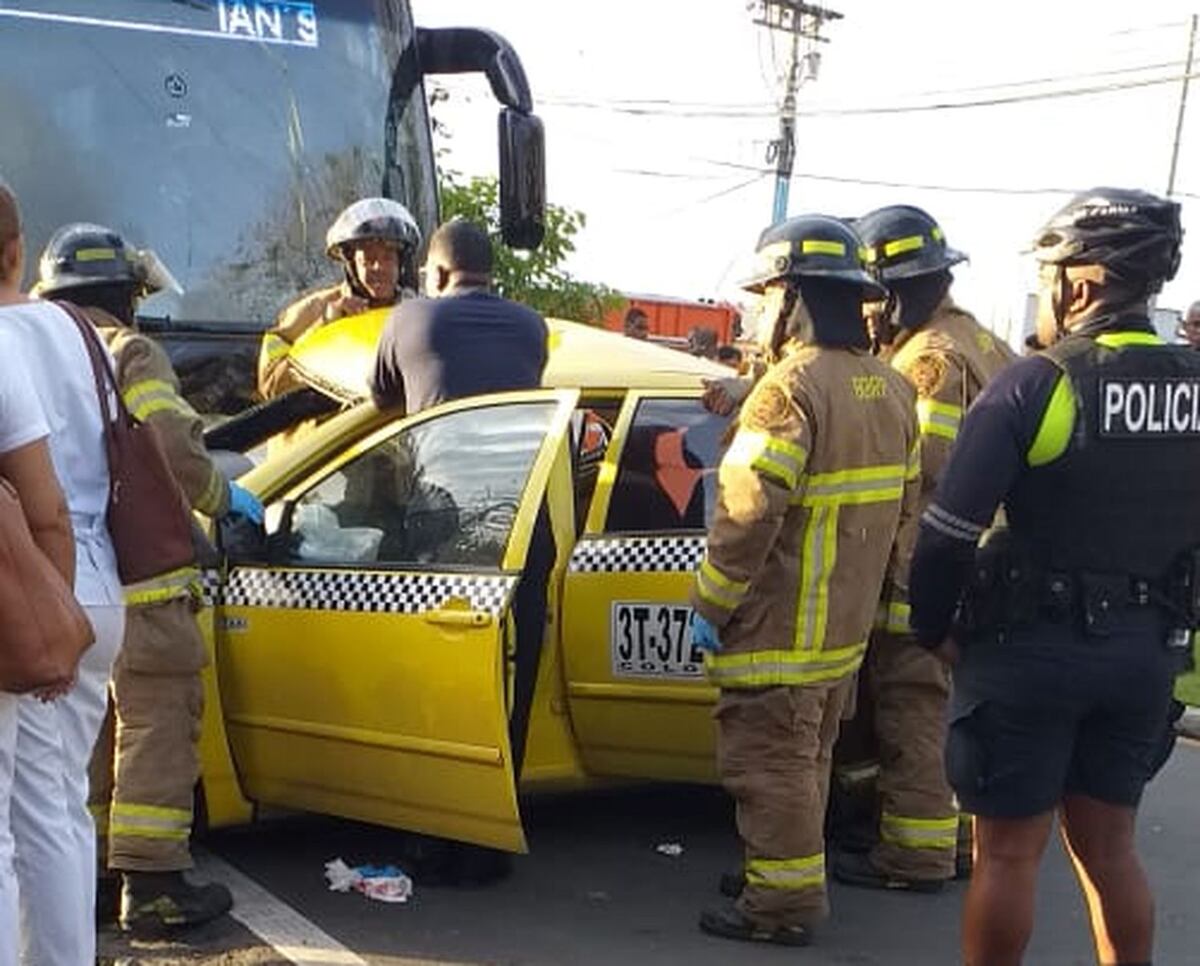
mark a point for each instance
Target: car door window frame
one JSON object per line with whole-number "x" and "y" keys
{"x": 598, "y": 513}
{"x": 517, "y": 543}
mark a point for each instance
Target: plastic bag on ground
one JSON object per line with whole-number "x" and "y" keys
{"x": 383, "y": 883}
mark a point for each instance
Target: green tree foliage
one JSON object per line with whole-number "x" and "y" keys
{"x": 535, "y": 278}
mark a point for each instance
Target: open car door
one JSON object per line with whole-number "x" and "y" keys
{"x": 639, "y": 702}
{"x": 364, "y": 665}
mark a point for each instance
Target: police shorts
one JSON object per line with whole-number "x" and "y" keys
{"x": 1052, "y": 712}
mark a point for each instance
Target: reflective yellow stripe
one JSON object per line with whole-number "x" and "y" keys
{"x": 818, "y": 545}
{"x": 137, "y": 831}
{"x": 150, "y": 822}
{"x": 154, "y": 395}
{"x": 1057, "y": 425}
{"x": 914, "y": 461}
{"x": 804, "y": 873}
{"x": 894, "y": 617}
{"x": 1118, "y": 340}
{"x": 902, "y": 245}
{"x": 210, "y": 500}
{"x": 763, "y": 669}
{"x": 818, "y": 246}
{"x": 869, "y": 484}
{"x": 717, "y": 589}
{"x": 275, "y": 346}
{"x": 919, "y": 833}
{"x": 777, "y": 458}
{"x": 938, "y": 419}
{"x": 177, "y": 583}
{"x": 96, "y": 255}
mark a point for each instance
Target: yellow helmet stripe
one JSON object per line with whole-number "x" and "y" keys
{"x": 901, "y": 245}
{"x": 820, "y": 246}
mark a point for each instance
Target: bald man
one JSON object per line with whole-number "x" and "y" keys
{"x": 1189, "y": 328}
{"x": 464, "y": 340}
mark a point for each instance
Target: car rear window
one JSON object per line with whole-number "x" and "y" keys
{"x": 666, "y": 479}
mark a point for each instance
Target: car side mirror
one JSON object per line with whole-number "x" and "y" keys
{"x": 522, "y": 179}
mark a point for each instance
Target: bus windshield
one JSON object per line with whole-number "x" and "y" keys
{"x": 224, "y": 135}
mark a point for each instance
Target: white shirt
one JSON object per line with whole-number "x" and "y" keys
{"x": 21, "y": 418}
{"x": 60, "y": 372}
{"x": 42, "y": 339}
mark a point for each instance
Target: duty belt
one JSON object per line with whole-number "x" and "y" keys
{"x": 1094, "y": 599}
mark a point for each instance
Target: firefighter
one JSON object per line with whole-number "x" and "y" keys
{"x": 948, "y": 358}
{"x": 1062, "y": 689}
{"x": 376, "y": 242}
{"x": 143, "y": 776}
{"x": 823, "y": 466}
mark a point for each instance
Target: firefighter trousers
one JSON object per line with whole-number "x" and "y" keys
{"x": 774, "y": 748}
{"x": 918, "y": 826}
{"x": 146, "y": 763}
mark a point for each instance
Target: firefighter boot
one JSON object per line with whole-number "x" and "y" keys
{"x": 857, "y": 869}
{"x": 728, "y": 923}
{"x": 732, "y": 884}
{"x": 153, "y": 903}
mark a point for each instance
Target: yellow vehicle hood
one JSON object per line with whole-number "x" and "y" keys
{"x": 338, "y": 358}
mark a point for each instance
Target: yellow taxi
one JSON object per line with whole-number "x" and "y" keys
{"x": 485, "y": 596}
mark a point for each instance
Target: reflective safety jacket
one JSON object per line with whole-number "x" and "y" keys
{"x": 948, "y": 360}
{"x": 824, "y": 464}
{"x": 275, "y": 374}
{"x": 151, "y": 392}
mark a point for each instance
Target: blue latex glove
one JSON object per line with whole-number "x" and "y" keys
{"x": 704, "y": 635}
{"x": 244, "y": 503}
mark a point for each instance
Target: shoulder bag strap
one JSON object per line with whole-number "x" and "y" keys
{"x": 104, "y": 377}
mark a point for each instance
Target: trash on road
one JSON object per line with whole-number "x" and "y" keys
{"x": 673, "y": 849}
{"x": 384, "y": 883}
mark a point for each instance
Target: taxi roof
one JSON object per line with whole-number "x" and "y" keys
{"x": 338, "y": 357}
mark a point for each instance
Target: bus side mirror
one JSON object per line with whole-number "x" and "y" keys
{"x": 522, "y": 179}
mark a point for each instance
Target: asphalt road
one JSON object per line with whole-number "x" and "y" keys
{"x": 594, "y": 890}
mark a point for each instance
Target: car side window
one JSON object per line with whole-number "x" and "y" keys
{"x": 445, "y": 491}
{"x": 666, "y": 479}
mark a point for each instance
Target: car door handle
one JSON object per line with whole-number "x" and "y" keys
{"x": 458, "y": 618}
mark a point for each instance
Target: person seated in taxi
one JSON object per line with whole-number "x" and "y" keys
{"x": 376, "y": 241}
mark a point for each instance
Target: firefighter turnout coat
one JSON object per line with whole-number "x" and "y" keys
{"x": 812, "y": 488}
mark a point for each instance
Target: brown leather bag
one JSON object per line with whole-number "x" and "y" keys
{"x": 43, "y": 630}
{"x": 148, "y": 515}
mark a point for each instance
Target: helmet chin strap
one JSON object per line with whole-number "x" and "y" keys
{"x": 1060, "y": 301}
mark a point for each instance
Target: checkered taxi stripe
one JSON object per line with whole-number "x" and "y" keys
{"x": 374, "y": 593}
{"x": 634, "y": 554}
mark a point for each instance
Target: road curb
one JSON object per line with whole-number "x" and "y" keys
{"x": 1189, "y": 724}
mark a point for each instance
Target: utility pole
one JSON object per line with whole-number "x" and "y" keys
{"x": 803, "y": 22}
{"x": 1183, "y": 94}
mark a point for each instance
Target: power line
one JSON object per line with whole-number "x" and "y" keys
{"x": 735, "y": 115}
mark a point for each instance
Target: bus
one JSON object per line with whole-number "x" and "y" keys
{"x": 227, "y": 135}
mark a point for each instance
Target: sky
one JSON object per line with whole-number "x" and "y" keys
{"x": 658, "y": 115}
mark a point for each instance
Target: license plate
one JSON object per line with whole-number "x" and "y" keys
{"x": 653, "y": 641}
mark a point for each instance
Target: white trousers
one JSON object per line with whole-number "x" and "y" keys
{"x": 54, "y": 832}
{"x": 9, "y": 941}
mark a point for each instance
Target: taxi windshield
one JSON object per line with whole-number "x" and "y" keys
{"x": 224, "y": 135}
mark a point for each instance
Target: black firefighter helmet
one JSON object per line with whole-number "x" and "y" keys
{"x": 822, "y": 260}
{"x": 903, "y": 241}
{"x": 82, "y": 255}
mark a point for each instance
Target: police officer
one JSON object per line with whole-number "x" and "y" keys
{"x": 1062, "y": 692}
{"x": 948, "y": 357}
{"x": 147, "y": 772}
{"x": 376, "y": 241}
{"x": 812, "y": 490}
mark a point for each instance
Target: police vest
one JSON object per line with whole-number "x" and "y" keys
{"x": 1124, "y": 496}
